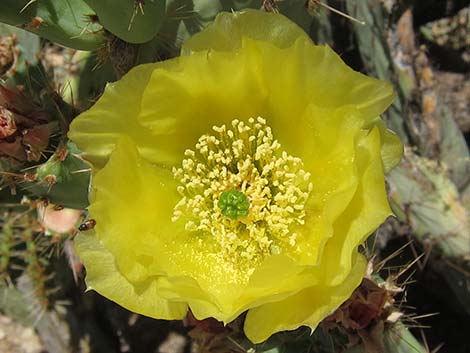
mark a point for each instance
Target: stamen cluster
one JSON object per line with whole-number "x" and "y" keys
{"x": 247, "y": 159}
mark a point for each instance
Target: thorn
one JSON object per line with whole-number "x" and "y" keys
{"x": 418, "y": 317}
{"x": 398, "y": 275}
{"x": 27, "y": 5}
{"x": 382, "y": 263}
{"x": 407, "y": 281}
{"x": 438, "y": 348}
{"x": 86, "y": 170}
{"x": 415, "y": 252}
{"x": 332, "y": 9}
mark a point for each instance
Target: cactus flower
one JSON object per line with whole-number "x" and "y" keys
{"x": 239, "y": 177}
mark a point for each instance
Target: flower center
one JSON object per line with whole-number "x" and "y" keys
{"x": 239, "y": 187}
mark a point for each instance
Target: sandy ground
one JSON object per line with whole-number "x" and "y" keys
{"x": 15, "y": 338}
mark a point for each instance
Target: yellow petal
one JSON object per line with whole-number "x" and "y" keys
{"x": 104, "y": 277}
{"x": 144, "y": 242}
{"x": 317, "y": 68}
{"x": 175, "y": 101}
{"x": 307, "y": 74}
{"x": 183, "y": 101}
{"x": 97, "y": 130}
{"x": 327, "y": 142}
{"x": 307, "y": 307}
{"x": 392, "y": 148}
{"x": 228, "y": 30}
{"x": 139, "y": 221}
{"x": 366, "y": 211}
{"x": 202, "y": 277}
{"x": 278, "y": 277}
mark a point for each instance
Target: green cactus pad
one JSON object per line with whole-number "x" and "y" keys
{"x": 134, "y": 21}
{"x": 67, "y": 22}
{"x": 424, "y": 197}
{"x": 64, "y": 180}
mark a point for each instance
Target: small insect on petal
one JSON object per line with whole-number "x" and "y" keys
{"x": 87, "y": 225}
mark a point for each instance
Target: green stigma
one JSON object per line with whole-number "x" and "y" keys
{"x": 233, "y": 204}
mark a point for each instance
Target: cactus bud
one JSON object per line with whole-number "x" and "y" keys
{"x": 63, "y": 179}
{"x": 25, "y": 128}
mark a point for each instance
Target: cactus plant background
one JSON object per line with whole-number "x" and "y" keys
{"x": 56, "y": 56}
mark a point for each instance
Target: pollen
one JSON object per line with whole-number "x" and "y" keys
{"x": 241, "y": 188}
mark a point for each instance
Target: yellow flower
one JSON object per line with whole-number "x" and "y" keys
{"x": 241, "y": 176}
